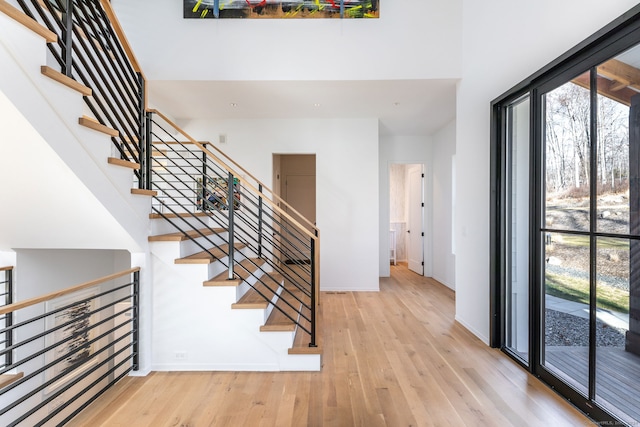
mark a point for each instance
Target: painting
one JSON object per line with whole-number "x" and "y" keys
{"x": 77, "y": 318}
{"x": 283, "y": 9}
{"x": 216, "y": 194}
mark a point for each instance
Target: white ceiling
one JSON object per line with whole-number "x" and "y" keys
{"x": 404, "y": 107}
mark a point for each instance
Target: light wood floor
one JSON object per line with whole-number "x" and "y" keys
{"x": 394, "y": 358}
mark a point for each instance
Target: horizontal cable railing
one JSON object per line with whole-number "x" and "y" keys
{"x": 92, "y": 50}
{"x": 6, "y": 320}
{"x": 198, "y": 192}
{"x": 68, "y": 348}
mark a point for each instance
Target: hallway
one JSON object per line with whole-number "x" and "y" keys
{"x": 393, "y": 358}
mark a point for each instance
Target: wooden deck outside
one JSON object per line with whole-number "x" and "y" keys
{"x": 617, "y": 378}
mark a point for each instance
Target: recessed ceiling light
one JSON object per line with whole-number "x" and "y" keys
{"x": 396, "y": 103}
{"x": 317, "y": 104}
{"x": 233, "y": 104}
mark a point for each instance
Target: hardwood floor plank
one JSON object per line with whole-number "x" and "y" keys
{"x": 393, "y": 358}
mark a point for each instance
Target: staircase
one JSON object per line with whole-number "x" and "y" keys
{"x": 237, "y": 328}
{"x": 228, "y": 288}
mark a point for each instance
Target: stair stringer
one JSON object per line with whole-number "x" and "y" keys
{"x": 53, "y": 111}
{"x": 195, "y": 328}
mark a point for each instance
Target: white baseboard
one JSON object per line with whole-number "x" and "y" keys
{"x": 480, "y": 336}
{"x": 444, "y": 282}
{"x": 140, "y": 373}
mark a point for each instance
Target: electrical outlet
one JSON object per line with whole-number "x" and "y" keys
{"x": 181, "y": 355}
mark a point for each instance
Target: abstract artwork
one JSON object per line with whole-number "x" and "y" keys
{"x": 214, "y": 196}
{"x": 257, "y": 9}
{"x": 72, "y": 331}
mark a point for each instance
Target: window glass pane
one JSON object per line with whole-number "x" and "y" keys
{"x": 517, "y": 245}
{"x": 567, "y": 136}
{"x": 613, "y": 154}
{"x": 617, "y": 358}
{"x": 566, "y": 315}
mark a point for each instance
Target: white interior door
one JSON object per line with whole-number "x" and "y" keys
{"x": 416, "y": 220}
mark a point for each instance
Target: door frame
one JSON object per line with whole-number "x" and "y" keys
{"x": 279, "y": 176}
{"x": 427, "y": 213}
{"x": 411, "y": 203}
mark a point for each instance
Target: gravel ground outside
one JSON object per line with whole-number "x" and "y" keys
{"x": 562, "y": 329}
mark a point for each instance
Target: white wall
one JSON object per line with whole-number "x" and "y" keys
{"x": 444, "y": 261}
{"x": 403, "y": 149}
{"x": 412, "y": 39}
{"x": 7, "y": 259}
{"x": 58, "y": 189}
{"x": 40, "y": 271}
{"x": 503, "y": 42}
{"x": 346, "y": 180}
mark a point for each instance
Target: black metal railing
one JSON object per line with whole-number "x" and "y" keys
{"x": 69, "y": 347}
{"x": 6, "y": 320}
{"x": 221, "y": 210}
{"x": 90, "y": 51}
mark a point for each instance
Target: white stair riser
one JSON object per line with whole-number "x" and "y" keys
{"x": 190, "y": 247}
{"x": 162, "y": 226}
{"x": 171, "y": 251}
{"x": 273, "y": 300}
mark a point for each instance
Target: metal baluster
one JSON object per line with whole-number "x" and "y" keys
{"x": 9, "y": 318}
{"x": 136, "y": 321}
{"x": 313, "y": 294}
{"x": 204, "y": 181}
{"x": 143, "y": 143}
{"x": 260, "y": 221}
{"x": 230, "y": 200}
{"x": 148, "y": 123}
{"x": 67, "y": 37}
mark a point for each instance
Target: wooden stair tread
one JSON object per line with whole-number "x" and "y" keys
{"x": 279, "y": 321}
{"x": 6, "y": 379}
{"x": 180, "y": 236}
{"x": 253, "y": 299}
{"x": 243, "y": 271}
{"x": 20, "y": 17}
{"x": 124, "y": 163}
{"x": 97, "y": 126}
{"x": 205, "y": 257}
{"x": 65, "y": 80}
{"x": 144, "y": 192}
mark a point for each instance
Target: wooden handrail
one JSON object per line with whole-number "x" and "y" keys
{"x": 117, "y": 27}
{"x": 240, "y": 178}
{"x": 6, "y": 268}
{"x": 48, "y": 297}
{"x": 18, "y": 16}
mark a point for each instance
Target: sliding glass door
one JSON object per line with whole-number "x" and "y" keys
{"x": 566, "y": 233}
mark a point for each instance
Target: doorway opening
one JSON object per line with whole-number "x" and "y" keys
{"x": 294, "y": 180}
{"x": 406, "y": 214}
